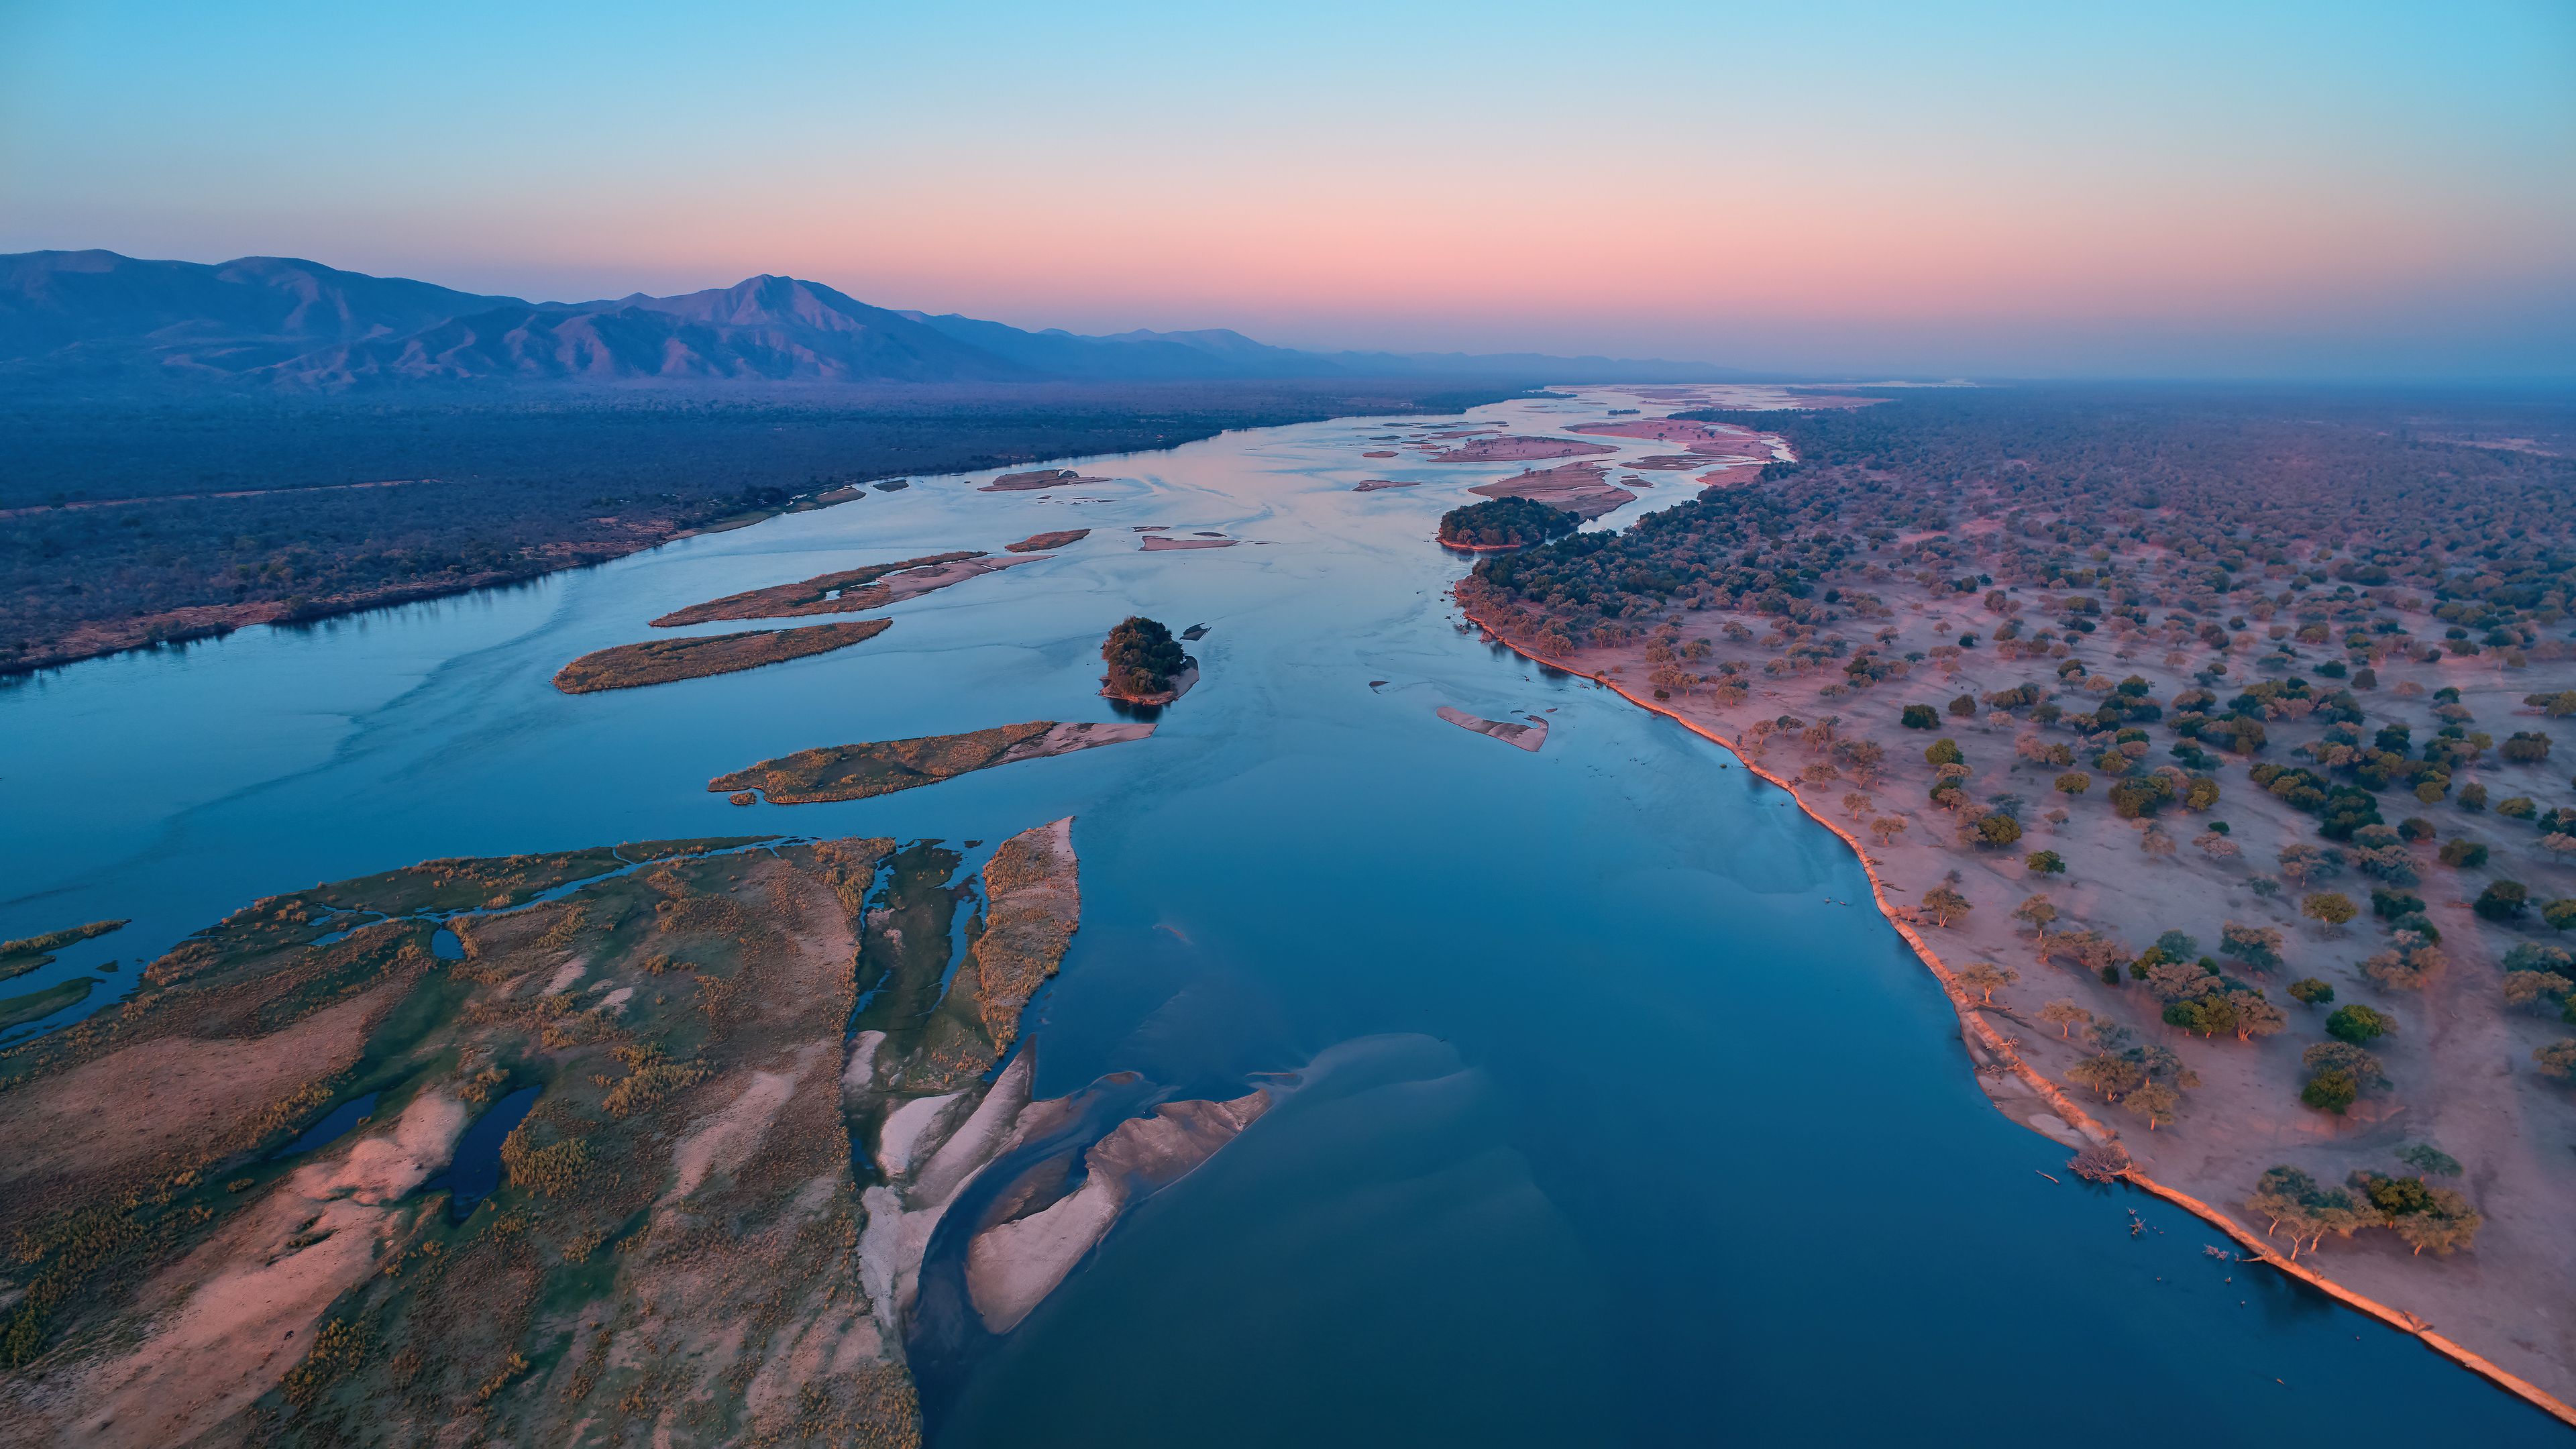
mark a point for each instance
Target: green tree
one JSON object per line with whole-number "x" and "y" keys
{"x": 2256, "y": 946}
{"x": 2334, "y": 908}
{"x": 1921, "y": 717}
{"x": 1943, "y": 751}
{"x": 2560, "y": 914}
{"x": 2310, "y": 991}
{"x": 2049, "y": 862}
{"x": 1997, "y": 830}
{"x": 2503, "y": 900}
{"x": 2331, "y": 1092}
{"x": 2359, "y": 1024}
{"x": 2461, "y": 852}
{"x": 2074, "y": 782}
{"x": 1964, "y": 707}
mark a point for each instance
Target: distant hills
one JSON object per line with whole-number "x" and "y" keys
{"x": 97, "y": 321}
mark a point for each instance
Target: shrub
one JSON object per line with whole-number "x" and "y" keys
{"x": 2526, "y": 747}
{"x": 1964, "y": 707}
{"x": 2047, "y": 862}
{"x": 2560, "y": 914}
{"x": 2074, "y": 782}
{"x": 2311, "y": 992}
{"x": 2557, "y": 1060}
{"x": 2517, "y": 808}
{"x": 2388, "y": 905}
{"x": 2473, "y": 797}
{"x": 2256, "y": 946}
{"x": 1920, "y": 717}
{"x": 1943, "y": 751}
{"x": 2358, "y": 1024}
{"x": 2463, "y": 853}
{"x": 2416, "y": 827}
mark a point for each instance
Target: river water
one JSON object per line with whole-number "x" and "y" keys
{"x": 1609, "y": 1126}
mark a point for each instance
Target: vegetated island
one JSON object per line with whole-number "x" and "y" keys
{"x": 1376, "y": 484}
{"x": 1036, "y": 478}
{"x": 1038, "y": 541}
{"x": 37, "y": 1005}
{"x": 1517, "y": 449}
{"x": 1504, "y": 523}
{"x": 596, "y": 1177}
{"x": 664, "y": 661}
{"x": 2214, "y": 746}
{"x": 25, "y": 954}
{"x": 1578, "y": 488}
{"x": 1146, "y": 664}
{"x": 848, "y": 591}
{"x": 882, "y": 767}
{"x": 1523, "y": 736}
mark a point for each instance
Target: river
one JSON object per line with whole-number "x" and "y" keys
{"x": 1611, "y": 1124}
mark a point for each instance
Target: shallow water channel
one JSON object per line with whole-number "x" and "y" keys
{"x": 1608, "y": 1127}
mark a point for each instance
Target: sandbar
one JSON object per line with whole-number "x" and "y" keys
{"x": 1158, "y": 544}
{"x": 1519, "y": 449}
{"x": 665, "y": 661}
{"x": 847, "y": 591}
{"x": 1036, "y": 478}
{"x": 1374, "y": 484}
{"x": 1522, "y": 736}
{"x": 1581, "y": 489}
{"x": 882, "y": 767}
{"x": 1058, "y": 539}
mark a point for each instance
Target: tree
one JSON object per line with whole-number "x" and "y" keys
{"x": 2526, "y": 747}
{"x": 1964, "y": 707}
{"x": 2428, "y": 1159}
{"x": 1142, "y": 656}
{"x": 2256, "y": 946}
{"x": 1945, "y": 904}
{"x": 2256, "y": 1016}
{"x": 2073, "y": 783}
{"x": 1943, "y": 751}
{"x": 1998, "y": 830}
{"x": 2462, "y": 853}
{"x": 2065, "y": 1016}
{"x": 2332, "y": 907}
{"x": 2527, "y": 989}
{"x": 2446, "y": 1224}
{"x": 2331, "y": 1092}
{"x": 1921, "y": 717}
{"x": 1887, "y": 828}
{"x": 2049, "y": 862}
{"x": 2036, "y": 912}
{"x": 1985, "y": 977}
{"x": 2300, "y": 862}
{"x": 2410, "y": 964}
{"x": 2310, "y": 991}
{"x": 2503, "y": 900}
{"x": 2560, "y": 914}
{"x": 2110, "y": 1076}
{"x": 2558, "y": 1059}
{"x": 2153, "y": 1101}
{"x": 2359, "y": 1024}
{"x": 2200, "y": 794}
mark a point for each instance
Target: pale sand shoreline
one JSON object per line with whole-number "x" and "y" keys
{"x": 1981, "y": 1039}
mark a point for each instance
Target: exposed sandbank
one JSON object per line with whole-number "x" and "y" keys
{"x": 882, "y": 767}
{"x": 665, "y": 661}
{"x": 847, "y": 591}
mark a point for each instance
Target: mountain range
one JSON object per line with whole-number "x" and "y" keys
{"x": 98, "y": 320}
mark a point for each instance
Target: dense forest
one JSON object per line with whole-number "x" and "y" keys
{"x": 126, "y": 526}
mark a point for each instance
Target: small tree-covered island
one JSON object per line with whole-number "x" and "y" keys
{"x": 1500, "y": 523}
{"x": 1146, "y": 665}
{"x": 2207, "y": 751}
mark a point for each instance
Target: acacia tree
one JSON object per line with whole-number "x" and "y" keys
{"x": 2153, "y": 1101}
{"x": 1945, "y": 904}
{"x": 2065, "y": 1016}
{"x": 2036, "y": 912}
{"x": 1985, "y": 976}
{"x": 2333, "y": 908}
{"x": 1887, "y": 828}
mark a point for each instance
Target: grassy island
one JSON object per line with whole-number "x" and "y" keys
{"x": 1504, "y": 523}
{"x": 663, "y": 661}
{"x": 846, "y": 592}
{"x": 881, "y": 767}
{"x": 2214, "y": 740}
{"x": 1146, "y": 665}
{"x": 25, "y": 954}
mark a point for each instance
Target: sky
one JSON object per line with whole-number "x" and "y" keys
{"x": 2336, "y": 190}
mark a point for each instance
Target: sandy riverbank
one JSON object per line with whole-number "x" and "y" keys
{"x": 1986, "y": 1045}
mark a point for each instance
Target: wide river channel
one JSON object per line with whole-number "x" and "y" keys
{"x": 1617, "y": 1124}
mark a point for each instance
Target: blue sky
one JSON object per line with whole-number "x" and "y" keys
{"x": 2348, "y": 190}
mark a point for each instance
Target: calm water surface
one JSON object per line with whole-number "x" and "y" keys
{"x": 1610, "y": 1128}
